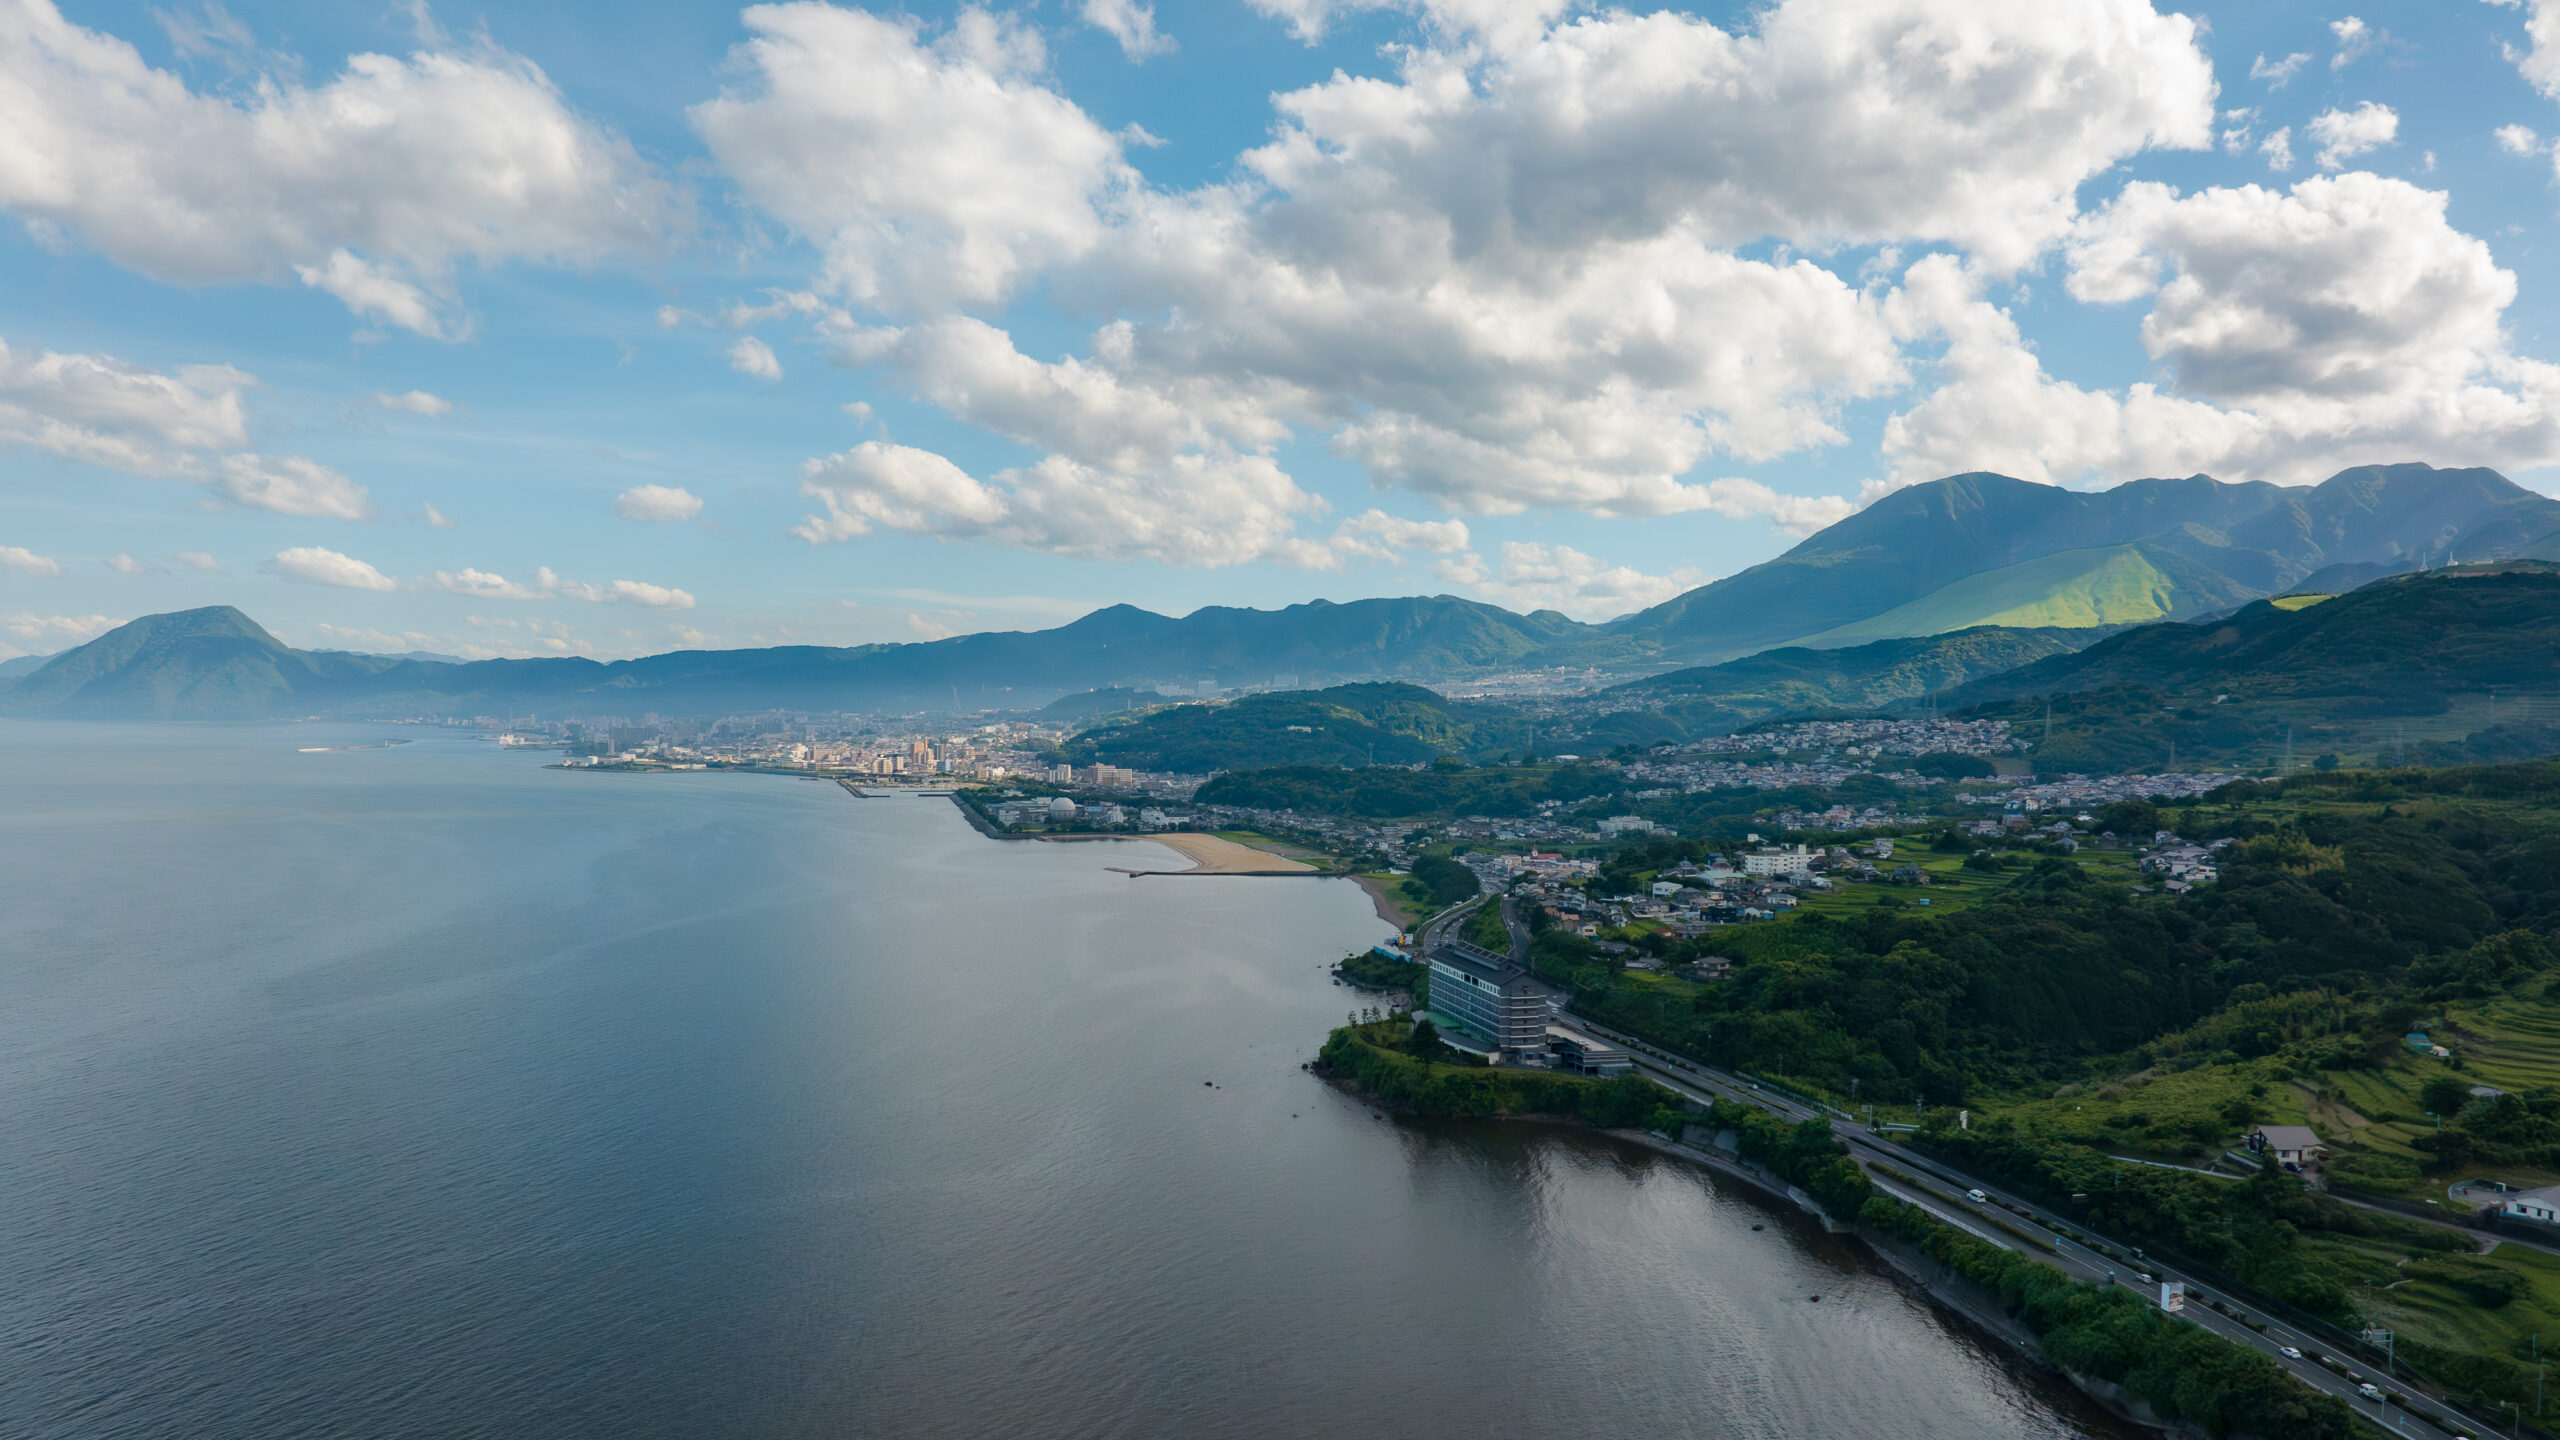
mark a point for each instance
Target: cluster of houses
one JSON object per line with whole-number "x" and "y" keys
{"x": 2182, "y": 865}
{"x": 1690, "y": 897}
{"x": 1868, "y": 738}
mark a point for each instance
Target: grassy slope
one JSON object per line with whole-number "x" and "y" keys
{"x": 2074, "y": 589}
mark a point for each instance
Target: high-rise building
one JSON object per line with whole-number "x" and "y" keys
{"x": 1488, "y": 997}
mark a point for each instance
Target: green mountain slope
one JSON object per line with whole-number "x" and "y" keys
{"x": 2259, "y": 538}
{"x": 214, "y": 663}
{"x": 2073, "y": 589}
{"x": 1710, "y": 699}
{"x": 2407, "y": 660}
{"x": 1348, "y": 725}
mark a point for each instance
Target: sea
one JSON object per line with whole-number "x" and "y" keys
{"x": 422, "y": 1088}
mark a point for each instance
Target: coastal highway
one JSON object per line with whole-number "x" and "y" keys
{"x": 2009, "y": 1221}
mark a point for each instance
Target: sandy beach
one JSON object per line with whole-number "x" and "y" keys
{"x": 1210, "y": 855}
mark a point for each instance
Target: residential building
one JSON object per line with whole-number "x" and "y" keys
{"x": 1779, "y": 860}
{"x": 2541, "y": 1205}
{"x": 2292, "y": 1145}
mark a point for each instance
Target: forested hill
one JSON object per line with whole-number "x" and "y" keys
{"x": 2374, "y": 675}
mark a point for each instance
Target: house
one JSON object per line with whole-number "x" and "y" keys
{"x": 2541, "y": 1205}
{"x": 2292, "y": 1145}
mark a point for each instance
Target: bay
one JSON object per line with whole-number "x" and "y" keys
{"x": 427, "y": 1091}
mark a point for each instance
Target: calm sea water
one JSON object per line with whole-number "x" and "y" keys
{"x": 426, "y": 1091}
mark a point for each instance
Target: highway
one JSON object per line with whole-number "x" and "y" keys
{"x": 2002, "y": 1221}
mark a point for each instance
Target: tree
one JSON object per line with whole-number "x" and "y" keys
{"x": 2445, "y": 1095}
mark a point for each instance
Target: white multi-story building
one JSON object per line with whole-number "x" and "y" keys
{"x": 1779, "y": 860}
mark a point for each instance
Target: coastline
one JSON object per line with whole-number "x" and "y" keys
{"x": 1211, "y": 855}
{"x": 1381, "y": 902}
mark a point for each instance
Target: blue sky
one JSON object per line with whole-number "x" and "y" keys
{"x": 572, "y": 328}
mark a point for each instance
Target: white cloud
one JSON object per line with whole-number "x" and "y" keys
{"x": 2278, "y": 148}
{"x": 436, "y": 519}
{"x": 315, "y": 566}
{"x": 481, "y": 584}
{"x": 751, "y": 356}
{"x": 548, "y": 584}
{"x": 1377, "y": 535}
{"x": 198, "y": 560}
{"x": 45, "y": 634}
{"x": 371, "y": 187}
{"x": 928, "y": 171}
{"x": 2277, "y": 72}
{"x": 28, "y": 562}
{"x": 1535, "y": 576}
{"x": 2519, "y": 140}
{"x": 1502, "y": 278}
{"x": 2356, "y": 40}
{"x": 1224, "y": 509}
{"x": 2343, "y": 322}
{"x": 101, "y": 410}
{"x": 658, "y": 504}
{"x": 290, "y": 485}
{"x": 924, "y": 629}
{"x": 414, "y": 402}
{"x": 1130, "y": 23}
{"x": 2540, "y": 59}
{"x": 124, "y": 564}
{"x": 2346, "y": 134}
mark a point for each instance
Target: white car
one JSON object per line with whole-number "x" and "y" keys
{"x": 2369, "y": 1390}
{"x": 2288, "y": 1352}
{"x": 1977, "y": 1197}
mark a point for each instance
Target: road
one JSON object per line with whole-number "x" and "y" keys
{"x": 1942, "y": 1191}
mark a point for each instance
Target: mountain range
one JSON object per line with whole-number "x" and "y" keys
{"x": 2034, "y": 568}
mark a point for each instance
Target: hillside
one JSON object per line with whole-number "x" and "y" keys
{"x": 2111, "y": 586}
{"x": 1348, "y": 725}
{"x": 2407, "y": 661}
{"x": 1711, "y": 698}
{"x": 218, "y": 664}
{"x": 2260, "y": 538}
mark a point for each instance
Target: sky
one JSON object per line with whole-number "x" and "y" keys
{"x": 608, "y": 329}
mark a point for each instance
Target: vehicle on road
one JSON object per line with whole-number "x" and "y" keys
{"x": 2288, "y": 1352}
{"x": 1977, "y": 1197}
{"x": 2369, "y": 1390}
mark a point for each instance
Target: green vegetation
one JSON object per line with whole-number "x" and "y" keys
{"x": 1373, "y": 971}
{"x": 1713, "y": 698}
{"x": 2404, "y": 667}
{"x": 2079, "y": 1021}
{"x": 1484, "y": 928}
{"x": 2182, "y": 1371}
{"x": 1348, "y": 725}
{"x": 1394, "y": 1063}
{"x": 2077, "y": 589}
{"x": 1440, "y": 882}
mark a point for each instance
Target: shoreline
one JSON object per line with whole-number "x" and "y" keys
{"x": 1380, "y": 901}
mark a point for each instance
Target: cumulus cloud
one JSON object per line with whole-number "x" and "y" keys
{"x": 435, "y": 518}
{"x": 371, "y": 187}
{"x": 2346, "y": 134}
{"x": 2518, "y": 140}
{"x": 414, "y": 402}
{"x": 2539, "y": 60}
{"x": 124, "y": 564}
{"x": 198, "y": 560}
{"x": 658, "y": 504}
{"x": 2278, "y": 148}
{"x": 751, "y": 356}
{"x": 2341, "y": 322}
{"x": 44, "y": 634}
{"x": 104, "y": 411}
{"x": 1533, "y": 576}
{"x": 290, "y": 485}
{"x": 1503, "y": 278}
{"x": 28, "y": 562}
{"x": 929, "y": 170}
{"x": 2356, "y": 40}
{"x": 549, "y": 584}
{"x": 1225, "y": 510}
{"x": 315, "y": 566}
{"x": 1130, "y": 23}
{"x": 2277, "y": 72}
{"x": 1377, "y": 535}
